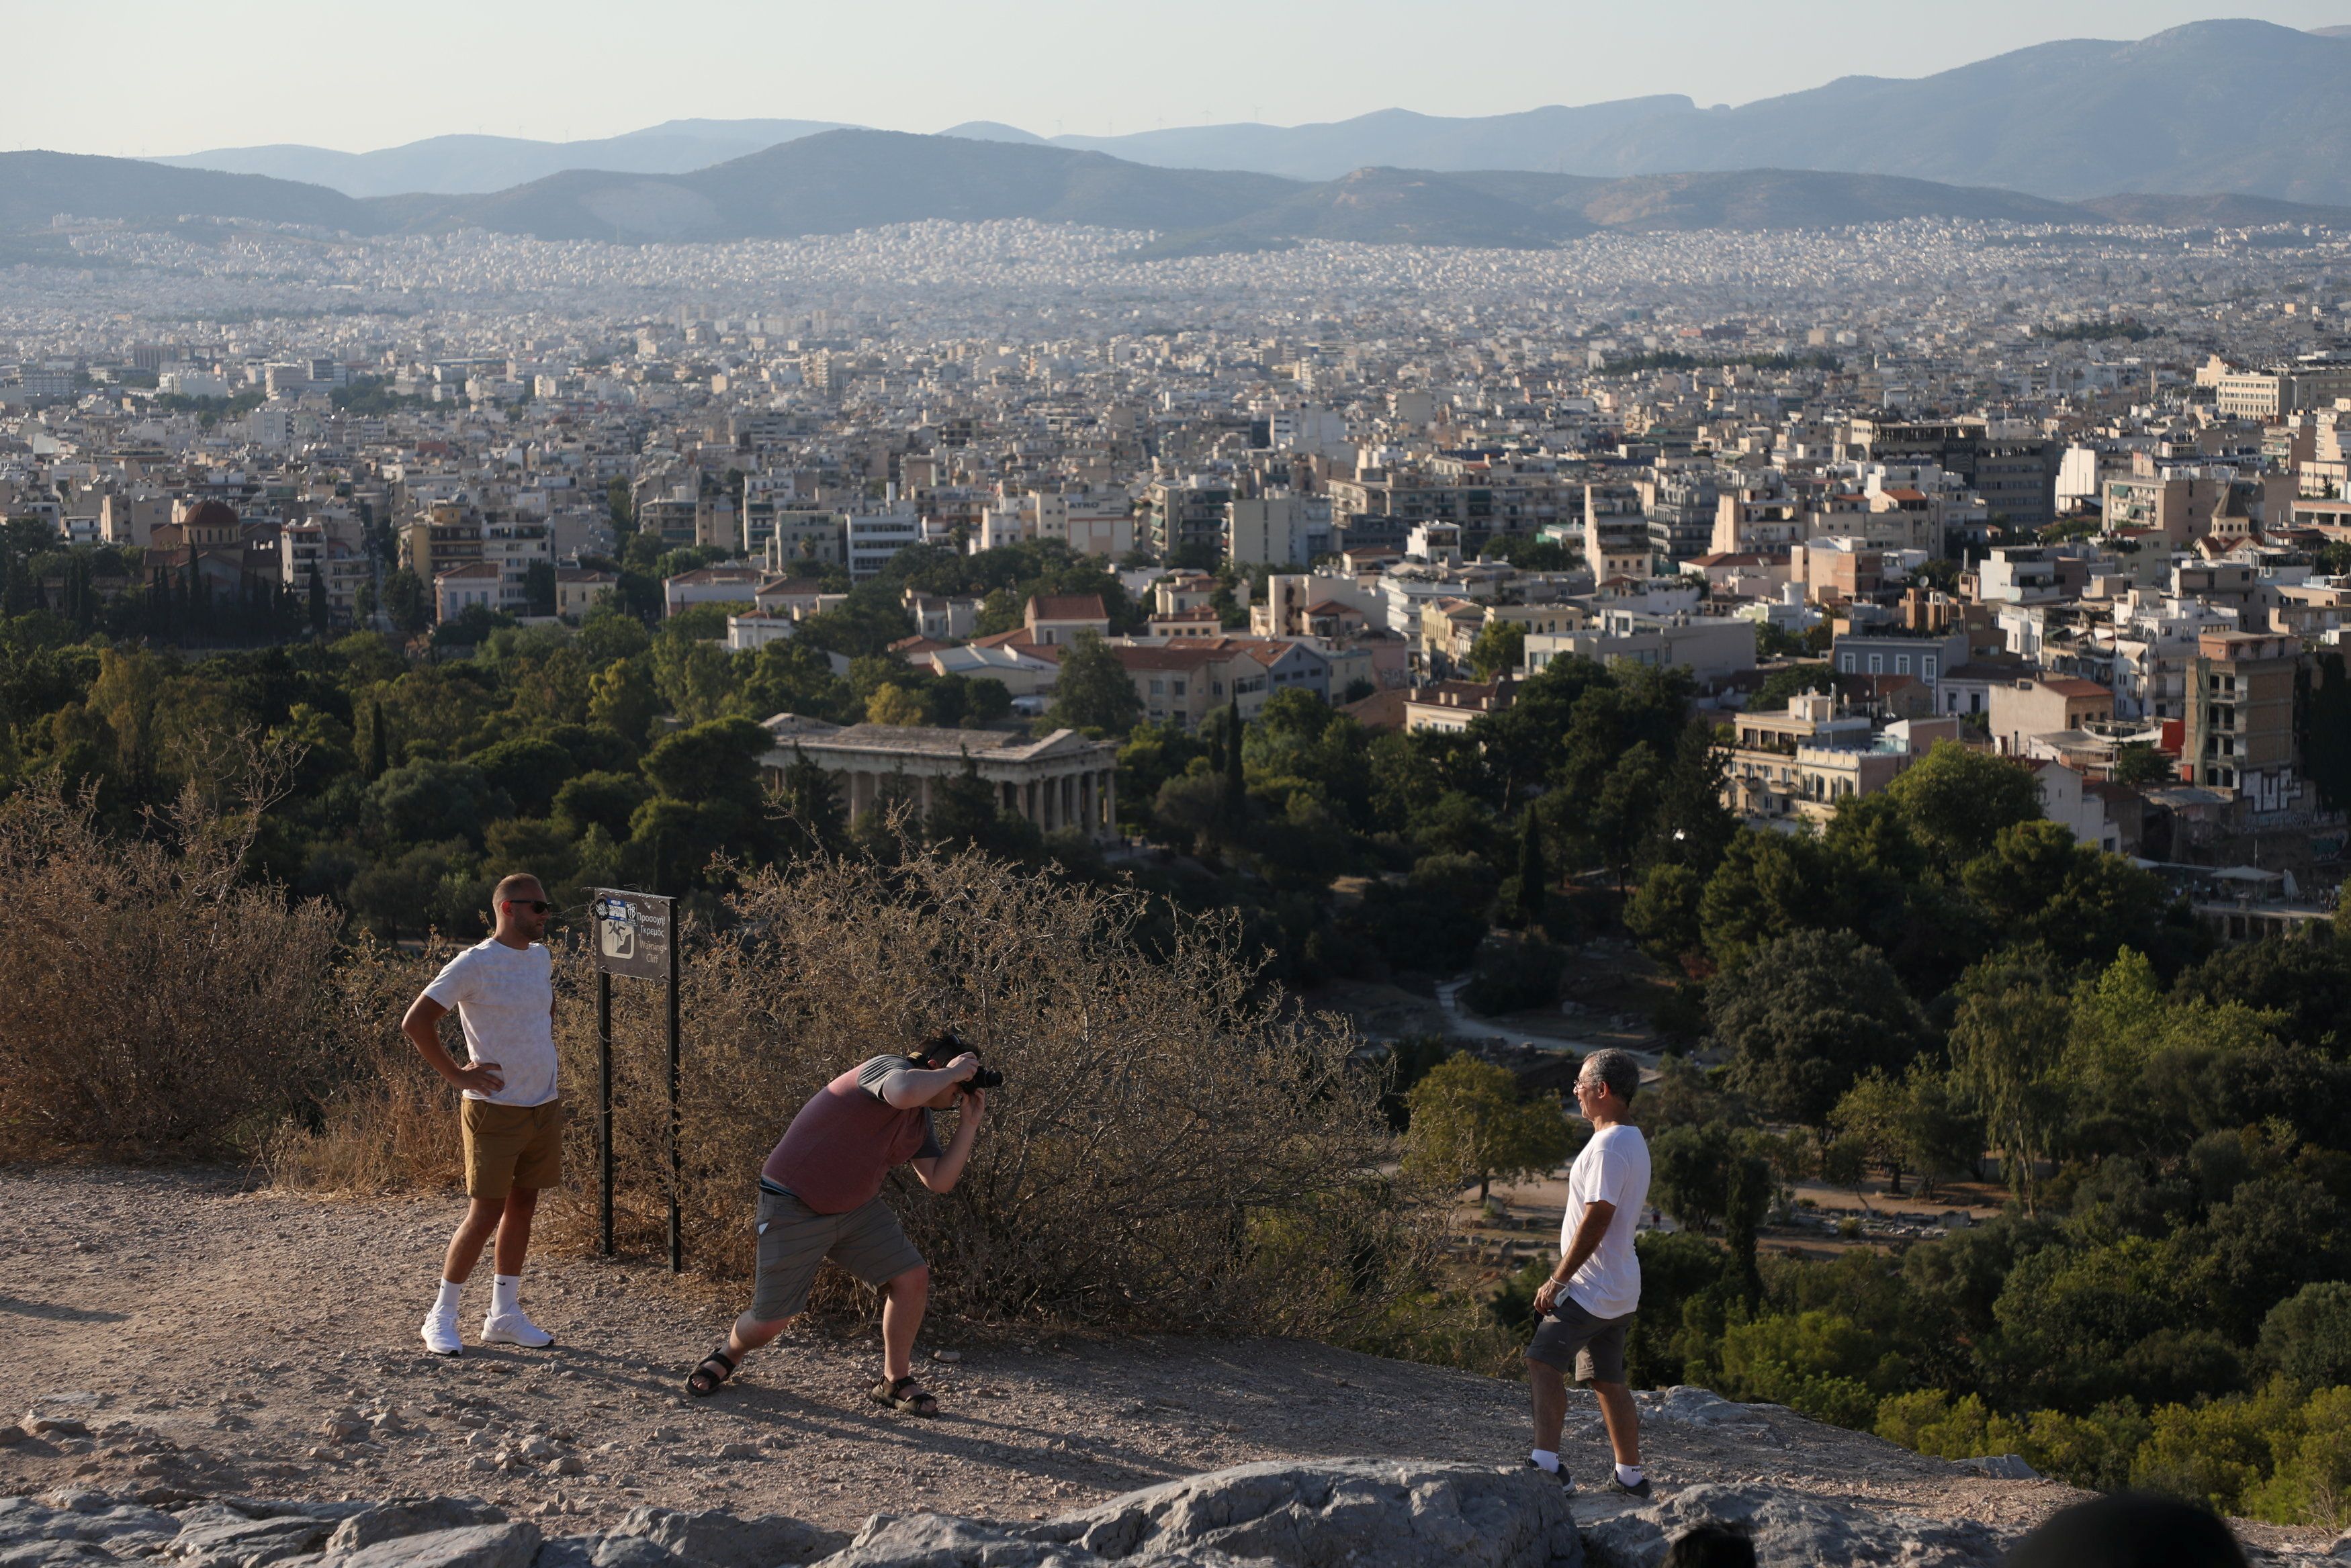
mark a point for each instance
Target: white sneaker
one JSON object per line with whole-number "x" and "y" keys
{"x": 440, "y": 1335}
{"x": 515, "y": 1328}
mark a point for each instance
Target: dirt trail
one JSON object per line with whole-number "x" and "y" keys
{"x": 209, "y": 1335}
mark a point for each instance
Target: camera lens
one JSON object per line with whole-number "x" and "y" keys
{"x": 985, "y": 1078}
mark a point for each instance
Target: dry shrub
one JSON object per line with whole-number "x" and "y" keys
{"x": 157, "y": 1006}
{"x": 1169, "y": 1149}
{"x": 386, "y": 1120}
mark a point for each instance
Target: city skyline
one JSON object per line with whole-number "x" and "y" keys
{"x": 1056, "y": 68}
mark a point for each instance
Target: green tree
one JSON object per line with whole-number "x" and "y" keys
{"x": 2008, "y": 1044}
{"x": 2307, "y": 1339}
{"x": 815, "y": 820}
{"x": 1093, "y": 692}
{"x": 2138, "y": 763}
{"x": 694, "y": 675}
{"x": 1954, "y": 801}
{"x": 530, "y": 770}
{"x": 1534, "y": 875}
{"x": 1792, "y": 680}
{"x": 604, "y": 799}
{"x": 1469, "y": 1124}
{"x": 1663, "y": 913}
{"x": 405, "y": 600}
{"x": 1499, "y": 649}
{"x": 379, "y": 742}
{"x": 1234, "y": 809}
{"x": 315, "y": 593}
{"x": 1768, "y": 884}
{"x": 1690, "y": 826}
{"x": 538, "y": 588}
{"x": 623, "y": 697}
{"x": 895, "y": 704}
{"x": 966, "y": 813}
{"x": 2038, "y": 885}
{"x": 1626, "y": 807}
{"x": 1809, "y": 1014}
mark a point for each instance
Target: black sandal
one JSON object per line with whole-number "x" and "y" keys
{"x": 702, "y": 1382}
{"x": 905, "y": 1393}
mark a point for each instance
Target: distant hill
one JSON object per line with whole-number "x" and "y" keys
{"x": 471, "y": 164}
{"x": 837, "y": 181}
{"x": 844, "y": 180}
{"x": 2235, "y": 106}
{"x": 1538, "y": 139}
{"x": 2215, "y": 212}
{"x": 2224, "y": 106}
{"x": 35, "y": 186}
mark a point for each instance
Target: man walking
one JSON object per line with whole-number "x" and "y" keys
{"x": 820, "y": 1197}
{"x": 503, "y": 993}
{"x": 1590, "y": 1296}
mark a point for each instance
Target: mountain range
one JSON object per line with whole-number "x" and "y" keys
{"x": 839, "y": 180}
{"x": 2212, "y": 108}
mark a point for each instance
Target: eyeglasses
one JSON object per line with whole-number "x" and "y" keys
{"x": 536, "y": 905}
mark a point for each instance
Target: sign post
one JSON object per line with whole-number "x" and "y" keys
{"x": 634, "y": 936}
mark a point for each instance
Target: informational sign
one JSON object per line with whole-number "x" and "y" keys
{"x": 632, "y": 933}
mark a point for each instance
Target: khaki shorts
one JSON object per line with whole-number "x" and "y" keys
{"x": 795, "y": 1241}
{"x": 508, "y": 1147}
{"x": 1595, "y": 1344}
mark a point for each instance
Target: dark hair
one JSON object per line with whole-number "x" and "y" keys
{"x": 940, "y": 1046}
{"x": 1620, "y": 1071}
{"x": 2131, "y": 1530}
{"x": 1710, "y": 1546}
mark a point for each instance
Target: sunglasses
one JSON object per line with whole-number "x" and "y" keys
{"x": 536, "y": 905}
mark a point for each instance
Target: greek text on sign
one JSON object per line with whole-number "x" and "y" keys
{"x": 632, "y": 932}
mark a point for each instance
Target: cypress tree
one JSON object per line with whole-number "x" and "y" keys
{"x": 379, "y": 749}
{"x": 1236, "y": 785}
{"x": 1533, "y": 877}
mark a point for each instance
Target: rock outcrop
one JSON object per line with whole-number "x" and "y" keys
{"x": 1320, "y": 1515}
{"x": 1790, "y": 1528}
{"x": 1332, "y": 1514}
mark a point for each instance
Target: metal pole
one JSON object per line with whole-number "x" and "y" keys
{"x": 677, "y": 1165}
{"x": 604, "y": 1108}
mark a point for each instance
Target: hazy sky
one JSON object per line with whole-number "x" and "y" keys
{"x": 165, "y": 75}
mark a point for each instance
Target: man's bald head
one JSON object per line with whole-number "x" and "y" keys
{"x": 521, "y": 885}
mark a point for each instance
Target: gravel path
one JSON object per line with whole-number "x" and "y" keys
{"x": 213, "y": 1338}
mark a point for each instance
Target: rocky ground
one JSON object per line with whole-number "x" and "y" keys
{"x": 175, "y": 1337}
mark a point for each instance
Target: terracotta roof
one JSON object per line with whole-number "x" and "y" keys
{"x": 1383, "y": 709}
{"x": 1067, "y": 607}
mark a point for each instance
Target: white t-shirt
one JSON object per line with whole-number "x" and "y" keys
{"x": 505, "y": 997}
{"x": 1613, "y": 1168}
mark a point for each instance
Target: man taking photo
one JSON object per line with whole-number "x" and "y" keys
{"x": 502, "y": 990}
{"x": 1590, "y": 1297}
{"x": 820, "y": 1197}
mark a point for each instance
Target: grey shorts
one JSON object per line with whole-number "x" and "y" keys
{"x": 795, "y": 1241}
{"x": 1595, "y": 1344}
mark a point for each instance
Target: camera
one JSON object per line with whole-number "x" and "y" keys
{"x": 937, "y": 1050}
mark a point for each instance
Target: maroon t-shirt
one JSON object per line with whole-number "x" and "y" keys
{"x": 847, "y": 1138}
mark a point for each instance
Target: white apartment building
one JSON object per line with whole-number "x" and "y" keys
{"x": 874, "y": 536}
{"x": 1278, "y": 530}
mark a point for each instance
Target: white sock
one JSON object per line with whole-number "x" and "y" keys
{"x": 504, "y": 1289}
{"x": 1547, "y": 1458}
{"x": 445, "y": 1305}
{"x": 1628, "y": 1475}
